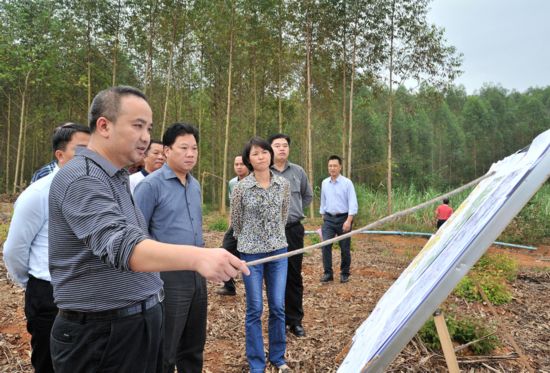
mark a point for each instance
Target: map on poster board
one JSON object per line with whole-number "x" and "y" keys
{"x": 447, "y": 257}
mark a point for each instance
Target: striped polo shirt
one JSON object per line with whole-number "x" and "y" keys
{"x": 94, "y": 226}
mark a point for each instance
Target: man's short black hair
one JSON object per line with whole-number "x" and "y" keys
{"x": 446, "y": 201}
{"x": 107, "y": 103}
{"x": 179, "y": 129}
{"x": 259, "y": 142}
{"x": 153, "y": 141}
{"x": 63, "y": 134}
{"x": 279, "y": 136}
{"x": 338, "y": 158}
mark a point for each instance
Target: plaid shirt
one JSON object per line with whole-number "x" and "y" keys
{"x": 43, "y": 171}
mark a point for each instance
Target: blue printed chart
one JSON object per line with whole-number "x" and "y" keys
{"x": 447, "y": 257}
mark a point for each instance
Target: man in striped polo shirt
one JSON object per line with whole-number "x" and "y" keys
{"x": 103, "y": 265}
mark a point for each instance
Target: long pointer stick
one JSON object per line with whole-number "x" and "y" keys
{"x": 371, "y": 225}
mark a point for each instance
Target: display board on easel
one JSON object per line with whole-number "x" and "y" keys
{"x": 447, "y": 257}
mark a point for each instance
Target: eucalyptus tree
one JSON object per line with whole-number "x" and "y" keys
{"x": 29, "y": 38}
{"x": 475, "y": 121}
{"x": 143, "y": 18}
{"x": 362, "y": 34}
{"x": 416, "y": 51}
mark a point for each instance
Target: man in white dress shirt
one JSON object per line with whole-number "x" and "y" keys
{"x": 26, "y": 247}
{"x": 154, "y": 159}
{"x": 338, "y": 208}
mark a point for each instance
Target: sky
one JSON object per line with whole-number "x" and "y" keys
{"x": 503, "y": 42}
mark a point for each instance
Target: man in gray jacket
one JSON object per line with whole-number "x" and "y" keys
{"x": 301, "y": 196}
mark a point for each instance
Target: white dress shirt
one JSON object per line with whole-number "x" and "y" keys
{"x": 26, "y": 248}
{"x": 338, "y": 196}
{"x": 135, "y": 179}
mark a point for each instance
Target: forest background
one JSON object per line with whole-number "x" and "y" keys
{"x": 370, "y": 80}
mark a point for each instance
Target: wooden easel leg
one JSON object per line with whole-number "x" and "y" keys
{"x": 446, "y": 344}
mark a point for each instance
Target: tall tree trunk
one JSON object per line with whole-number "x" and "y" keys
{"x": 21, "y": 131}
{"x": 228, "y": 114}
{"x": 350, "y": 117}
{"x": 199, "y": 168}
{"x": 89, "y": 60}
{"x": 24, "y": 150}
{"x": 344, "y": 94}
{"x": 308, "y": 80}
{"x": 115, "y": 46}
{"x": 34, "y": 161}
{"x": 279, "y": 73}
{"x": 169, "y": 77}
{"x": 148, "y": 90}
{"x": 390, "y": 117}
{"x": 255, "y": 89}
{"x": 8, "y": 138}
{"x": 344, "y": 88}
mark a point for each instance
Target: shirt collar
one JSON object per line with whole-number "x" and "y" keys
{"x": 106, "y": 165}
{"x": 287, "y": 165}
{"x": 168, "y": 173}
{"x": 250, "y": 181}
{"x": 335, "y": 181}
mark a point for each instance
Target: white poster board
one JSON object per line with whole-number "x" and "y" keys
{"x": 447, "y": 257}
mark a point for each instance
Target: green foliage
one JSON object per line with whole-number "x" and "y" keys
{"x": 498, "y": 265}
{"x": 491, "y": 272}
{"x": 442, "y": 138}
{"x": 312, "y": 239}
{"x": 4, "y": 231}
{"x": 373, "y": 206}
{"x": 218, "y": 224}
{"x": 532, "y": 224}
{"x": 461, "y": 330}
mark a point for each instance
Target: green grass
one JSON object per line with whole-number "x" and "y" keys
{"x": 4, "y": 231}
{"x": 219, "y": 225}
{"x": 493, "y": 273}
{"x": 530, "y": 226}
{"x": 373, "y": 205}
{"x": 462, "y": 330}
{"x": 213, "y": 220}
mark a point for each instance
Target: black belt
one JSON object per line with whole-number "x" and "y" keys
{"x": 336, "y": 215}
{"x": 293, "y": 224}
{"x": 140, "y": 307}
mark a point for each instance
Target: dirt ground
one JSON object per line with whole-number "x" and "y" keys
{"x": 333, "y": 312}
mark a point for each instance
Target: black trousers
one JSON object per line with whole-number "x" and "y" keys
{"x": 332, "y": 227}
{"x": 294, "y": 310}
{"x": 40, "y": 311}
{"x": 230, "y": 244}
{"x": 186, "y": 304}
{"x": 131, "y": 344}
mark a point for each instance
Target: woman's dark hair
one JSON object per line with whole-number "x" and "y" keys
{"x": 259, "y": 142}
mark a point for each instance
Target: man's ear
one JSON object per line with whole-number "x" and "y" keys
{"x": 60, "y": 156}
{"x": 103, "y": 127}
